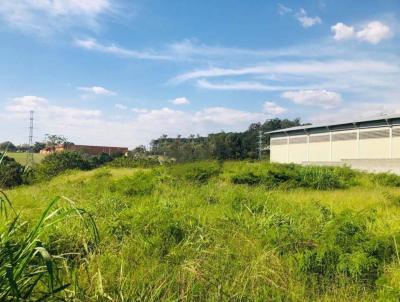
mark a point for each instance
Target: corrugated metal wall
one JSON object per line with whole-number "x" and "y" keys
{"x": 370, "y": 143}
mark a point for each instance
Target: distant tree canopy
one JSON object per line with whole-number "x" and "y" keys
{"x": 221, "y": 146}
{"x": 10, "y": 172}
{"x": 7, "y": 146}
{"x": 53, "y": 140}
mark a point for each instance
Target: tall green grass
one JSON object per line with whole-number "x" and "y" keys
{"x": 234, "y": 231}
{"x": 28, "y": 270}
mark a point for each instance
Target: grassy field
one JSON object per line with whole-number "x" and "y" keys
{"x": 21, "y": 157}
{"x": 211, "y": 232}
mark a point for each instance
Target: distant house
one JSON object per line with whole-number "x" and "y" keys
{"x": 92, "y": 150}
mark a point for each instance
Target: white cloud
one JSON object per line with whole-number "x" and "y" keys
{"x": 87, "y": 126}
{"x": 374, "y": 32}
{"x": 273, "y": 109}
{"x": 44, "y": 16}
{"x": 251, "y": 86}
{"x": 342, "y": 31}
{"x": 139, "y": 110}
{"x": 353, "y": 111}
{"x": 121, "y": 107}
{"x": 321, "y": 98}
{"x": 302, "y": 67}
{"x": 93, "y": 45}
{"x": 97, "y": 90}
{"x": 41, "y": 106}
{"x": 283, "y": 10}
{"x": 180, "y": 101}
{"x": 307, "y": 21}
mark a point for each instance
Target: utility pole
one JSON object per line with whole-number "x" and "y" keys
{"x": 29, "y": 152}
{"x": 259, "y": 145}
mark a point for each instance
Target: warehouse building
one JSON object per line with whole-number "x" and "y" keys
{"x": 92, "y": 150}
{"x": 374, "y": 142}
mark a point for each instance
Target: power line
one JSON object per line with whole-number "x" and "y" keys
{"x": 29, "y": 151}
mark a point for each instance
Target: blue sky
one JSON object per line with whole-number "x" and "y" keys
{"x": 124, "y": 72}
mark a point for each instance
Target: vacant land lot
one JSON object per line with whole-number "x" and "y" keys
{"x": 236, "y": 231}
{"x": 21, "y": 157}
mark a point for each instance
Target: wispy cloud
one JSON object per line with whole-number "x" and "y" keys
{"x": 283, "y": 10}
{"x": 273, "y": 108}
{"x": 93, "y": 45}
{"x": 121, "y": 107}
{"x": 307, "y": 21}
{"x": 294, "y": 68}
{"x": 44, "y": 17}
{"x": 252, "y": 86}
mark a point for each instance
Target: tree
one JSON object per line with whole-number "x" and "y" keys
{"x": 139, "y": 150}
{"x": 38, "y": 146}
{"x": 10, "y": 173}
{"x": 7, "y": 145}
{"x": 222, "y": 146}
{"x": 55, "y": 140}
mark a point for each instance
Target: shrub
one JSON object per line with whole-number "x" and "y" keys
{"x": 346, "y": 246}
{"x": 99, "y": 160}
{"x": 198, "y": 172}
{"x": 141, "y": 183}
{"x": 11, "y": 173}
{"x": 56, "y": 163}
{"x": 248, "y": 178}
{"x": 386, "y": 179}
{"x": 296, "y": 176}
{"x": 133, "y": 161}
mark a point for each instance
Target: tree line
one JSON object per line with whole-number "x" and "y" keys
{"x": 220, "y": 146}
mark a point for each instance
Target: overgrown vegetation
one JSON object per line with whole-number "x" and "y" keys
{"x": 28, "y": 269}
{"x": 11, "y": 172}
{"x": 233, "y": 231}
{"x": 295, "y": 176}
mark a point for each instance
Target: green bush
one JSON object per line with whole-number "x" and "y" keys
{"x": 247, "y": 178}
{"x": 346, "y": 246}
{"x": 99, "y": 160}
{"x": 296, "y": 176}
{"x": 386, "y": 179}
{"x": 197, "y": 172}
{"x": 56, "y": 163}
{"x": 141, "y": 183}
{"x": 132, "y": 161}
{"x": 11, "y": 173}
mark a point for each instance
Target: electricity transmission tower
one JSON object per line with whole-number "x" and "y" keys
{"x": 29, "y": 151}
{"x": 260, "y": 134}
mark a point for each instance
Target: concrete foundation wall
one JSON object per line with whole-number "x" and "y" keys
{"x": 367, "y": 165}
{"x": 374, "y": 165}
